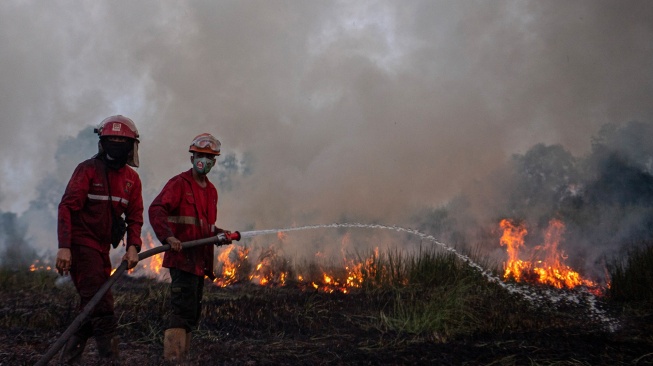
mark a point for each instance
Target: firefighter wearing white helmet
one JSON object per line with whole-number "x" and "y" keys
{"x": 185, "y": 210}
{"x": 90, "y": 220}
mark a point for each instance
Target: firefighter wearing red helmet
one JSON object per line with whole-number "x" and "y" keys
{"x": 119, "y": 139}
{"x": 101, "y": 190}
{"x": 186, "y": 209}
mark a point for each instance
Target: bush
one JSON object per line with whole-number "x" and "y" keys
{"x": 631, "y": 277}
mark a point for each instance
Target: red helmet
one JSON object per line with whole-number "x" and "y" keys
{"x": 205, "y": 143}
{"x": 117, "y": 126}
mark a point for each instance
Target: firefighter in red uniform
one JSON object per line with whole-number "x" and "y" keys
{"x": 186, "y": 209}
{"x": 99, "y": 192}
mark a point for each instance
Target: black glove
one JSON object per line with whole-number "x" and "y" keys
{"x": 224, "y": 237}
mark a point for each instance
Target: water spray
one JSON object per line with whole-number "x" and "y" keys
{"x": 528, "y": 293}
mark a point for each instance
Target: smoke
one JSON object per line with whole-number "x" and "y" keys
{"x": 15, "y": 251}
{"x": 326, "y": 111}
{"x": 604, "y": 199}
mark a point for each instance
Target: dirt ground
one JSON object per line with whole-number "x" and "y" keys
{"x": 252, "y": 325}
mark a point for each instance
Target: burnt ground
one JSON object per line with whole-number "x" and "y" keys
{"x": 252, "y": 325}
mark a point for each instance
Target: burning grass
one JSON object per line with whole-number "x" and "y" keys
{"x": 430, "y": 307}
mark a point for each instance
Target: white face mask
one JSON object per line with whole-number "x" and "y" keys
{"x": 202, "y": 165}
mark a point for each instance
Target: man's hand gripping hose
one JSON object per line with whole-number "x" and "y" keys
{"x": 223, "y": 238}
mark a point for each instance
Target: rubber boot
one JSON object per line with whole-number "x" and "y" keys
{"x": 107, "y": 347}
{"x": 174, "y": 344}
{"x": 73, "y": 350}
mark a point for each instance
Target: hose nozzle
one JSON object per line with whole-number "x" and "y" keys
{"x": 234, "y": 235}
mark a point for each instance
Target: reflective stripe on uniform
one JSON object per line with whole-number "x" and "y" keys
{"x": 106, "y": 198}
{"x": 188, "y": 220}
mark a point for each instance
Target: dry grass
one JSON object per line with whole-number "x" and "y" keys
{"x": 427, "y": 309}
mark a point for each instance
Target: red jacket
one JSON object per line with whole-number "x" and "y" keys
{"x": 84, "y": 212}
{"x": 186, "y": 211}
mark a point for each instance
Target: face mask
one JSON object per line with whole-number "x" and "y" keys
{"x": 202, "y": 165}
{"x": 117, "y": 152}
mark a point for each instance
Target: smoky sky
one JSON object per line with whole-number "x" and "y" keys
{"x": 331, "y": 110}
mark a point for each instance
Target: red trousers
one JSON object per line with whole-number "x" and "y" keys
{"x": 89, "y": 270}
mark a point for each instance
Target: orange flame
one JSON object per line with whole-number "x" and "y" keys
{"x": 548, "y": 270}
{"x": 513, "y": 239}
{"x": 40, "y": 266}
{"x": 350, "y": 277}
{"x": 232, "y": 261}
{"x": 233, "y": 266}
{"x": 273, "y": 270}
{"x": 156, "y": 261}
{"x": 151, "y": 266}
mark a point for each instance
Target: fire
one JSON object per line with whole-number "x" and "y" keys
{"x": 548, "y": 267}
{"x": 342, "y": 281}
{"x": 151, "y": 266}
{"x": 233, "y": 261}
{"x": 156, "y": 261}
{"x": 40, "y": 266}
{"x": 351, "y": 277}
{"x": 271, "y": 269}
{"x": 513, "y": 239}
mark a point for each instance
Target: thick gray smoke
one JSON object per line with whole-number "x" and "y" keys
{"x": 327, "y": 111}
{"x": 603, "y": 199}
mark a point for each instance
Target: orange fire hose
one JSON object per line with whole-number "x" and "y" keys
{"x": 220, "y": 239}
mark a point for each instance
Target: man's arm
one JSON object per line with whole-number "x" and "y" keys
{"x": 134, "y": 217}
{"x": 166, "y": 202}
{"x": 73, "y": 199}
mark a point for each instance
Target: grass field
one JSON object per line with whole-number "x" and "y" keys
{"x": 427, "y": 308}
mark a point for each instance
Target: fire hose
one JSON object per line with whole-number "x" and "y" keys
{"x": 220, "y": 239}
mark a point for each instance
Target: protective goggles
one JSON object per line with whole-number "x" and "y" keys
{"x": 206, "y": 143}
